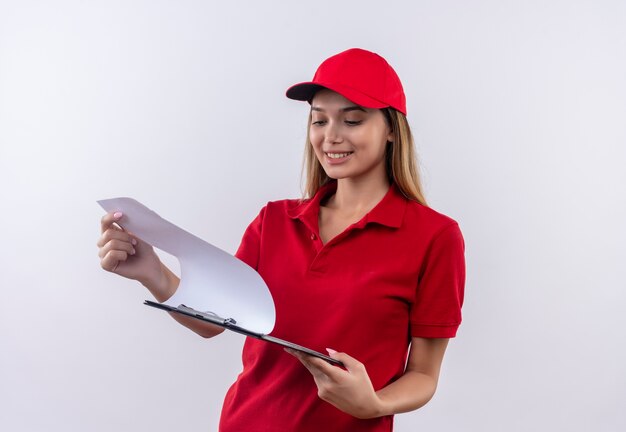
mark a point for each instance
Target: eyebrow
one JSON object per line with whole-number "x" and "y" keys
{"x": 346, "y": 109}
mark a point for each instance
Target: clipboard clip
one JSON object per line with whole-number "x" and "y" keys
{"x": 207, "y": 314}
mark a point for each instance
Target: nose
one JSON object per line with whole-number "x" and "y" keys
{"x": 332, "y": 134}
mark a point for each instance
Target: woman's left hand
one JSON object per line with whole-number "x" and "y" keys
{"x": 349, "y": 390}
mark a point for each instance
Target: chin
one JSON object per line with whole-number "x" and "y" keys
{"x": 337, "y": 175}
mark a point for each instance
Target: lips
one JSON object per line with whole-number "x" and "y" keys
{"x": 338, "y": 155}
{"x": 337, "y": 158}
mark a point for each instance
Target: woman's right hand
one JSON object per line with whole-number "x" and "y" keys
{"x": 124, "y": 254}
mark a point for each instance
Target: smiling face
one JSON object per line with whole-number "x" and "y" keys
{"x": 348, "y": 140}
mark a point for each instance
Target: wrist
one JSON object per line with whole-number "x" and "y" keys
{"x": 376, "y": 409}
{"x": 162, "y": 284}
{"x": 382, "y": 407}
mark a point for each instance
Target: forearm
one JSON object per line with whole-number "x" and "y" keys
{"x": 163, "y": 285}
{"x": 410, "y": 392}
{"x": 164, "y": 288}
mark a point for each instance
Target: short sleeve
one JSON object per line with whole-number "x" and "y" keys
{"x": 249, "y": 250}
{"x": 436, "y": 311}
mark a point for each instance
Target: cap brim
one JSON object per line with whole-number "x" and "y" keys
{"x": 306, "y": 90}
{"x": 303, "y": 91}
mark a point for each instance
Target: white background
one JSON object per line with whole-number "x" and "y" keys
{"x": 519, "y": 112}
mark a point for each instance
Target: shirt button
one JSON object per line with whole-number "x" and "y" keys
{"x": 313, "y": 236}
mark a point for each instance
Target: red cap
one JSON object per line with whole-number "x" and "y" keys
{"x": 361, "y": 76}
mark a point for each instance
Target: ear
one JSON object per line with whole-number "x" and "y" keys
{"x": 390, "y": 136}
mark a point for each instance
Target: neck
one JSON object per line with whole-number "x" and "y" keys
{"x": 358, "y": 195}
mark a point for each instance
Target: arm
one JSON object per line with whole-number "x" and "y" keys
{"x": 168, "y": 285}
{"x": 124, "y": 254}
{"x": 351, "y": 390}
{"x": 418, "y": 383}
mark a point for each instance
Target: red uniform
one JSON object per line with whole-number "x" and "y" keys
{"x": 397, "y": 273}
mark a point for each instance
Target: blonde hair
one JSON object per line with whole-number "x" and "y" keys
{"x": 400, "y": 160}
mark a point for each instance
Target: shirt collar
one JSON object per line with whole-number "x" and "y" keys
{"x": 389, "y": 211}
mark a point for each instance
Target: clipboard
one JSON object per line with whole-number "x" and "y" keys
{"x": 211, "y": 279}
{"x": 231, "y": 324}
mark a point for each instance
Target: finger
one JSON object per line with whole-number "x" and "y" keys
{"x": 333, "y": 373}
{"x": 297, "y": 354}
{"x": 319, "y": 368}
{"x": 303, "y": 358}
{"x": 112, "y": 259}
{"x": 109, "y": 219}
{"x": 351, "y": 364}
{"x": 116, "y": 245}
{"x": 114, "y": 233}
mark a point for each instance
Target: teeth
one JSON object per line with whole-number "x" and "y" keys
{"x": 337, "y": 155}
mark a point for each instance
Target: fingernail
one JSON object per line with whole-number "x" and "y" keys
{"x": 117, "y": 215}
{"x": 133, "y": 241}
{"x": 331, "y": 351}
{"x": 133, "y": 252}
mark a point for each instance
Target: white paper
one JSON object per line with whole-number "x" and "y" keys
{"x": 211, "y": 280}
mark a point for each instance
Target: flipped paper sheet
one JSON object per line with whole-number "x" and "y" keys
{"x": 211, "y": 280}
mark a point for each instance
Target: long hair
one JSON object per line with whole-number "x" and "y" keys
{"x": 400, "y": 160}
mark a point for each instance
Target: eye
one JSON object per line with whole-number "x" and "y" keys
{"x": 353, "y": 122}
{"x": 318, "y": 122}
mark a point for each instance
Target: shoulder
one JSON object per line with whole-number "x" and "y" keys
{"x": 438, "y": 235}
{"x": 287, "y": 205}
{"x": 426, "y": 218}
{"x": 283, "y": 209}
{"x": 431, "y": 229}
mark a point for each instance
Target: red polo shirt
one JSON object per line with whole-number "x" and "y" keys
{"x": 397, "y": 273}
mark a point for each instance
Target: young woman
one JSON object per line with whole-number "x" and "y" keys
{"x": 361, "y": 268}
